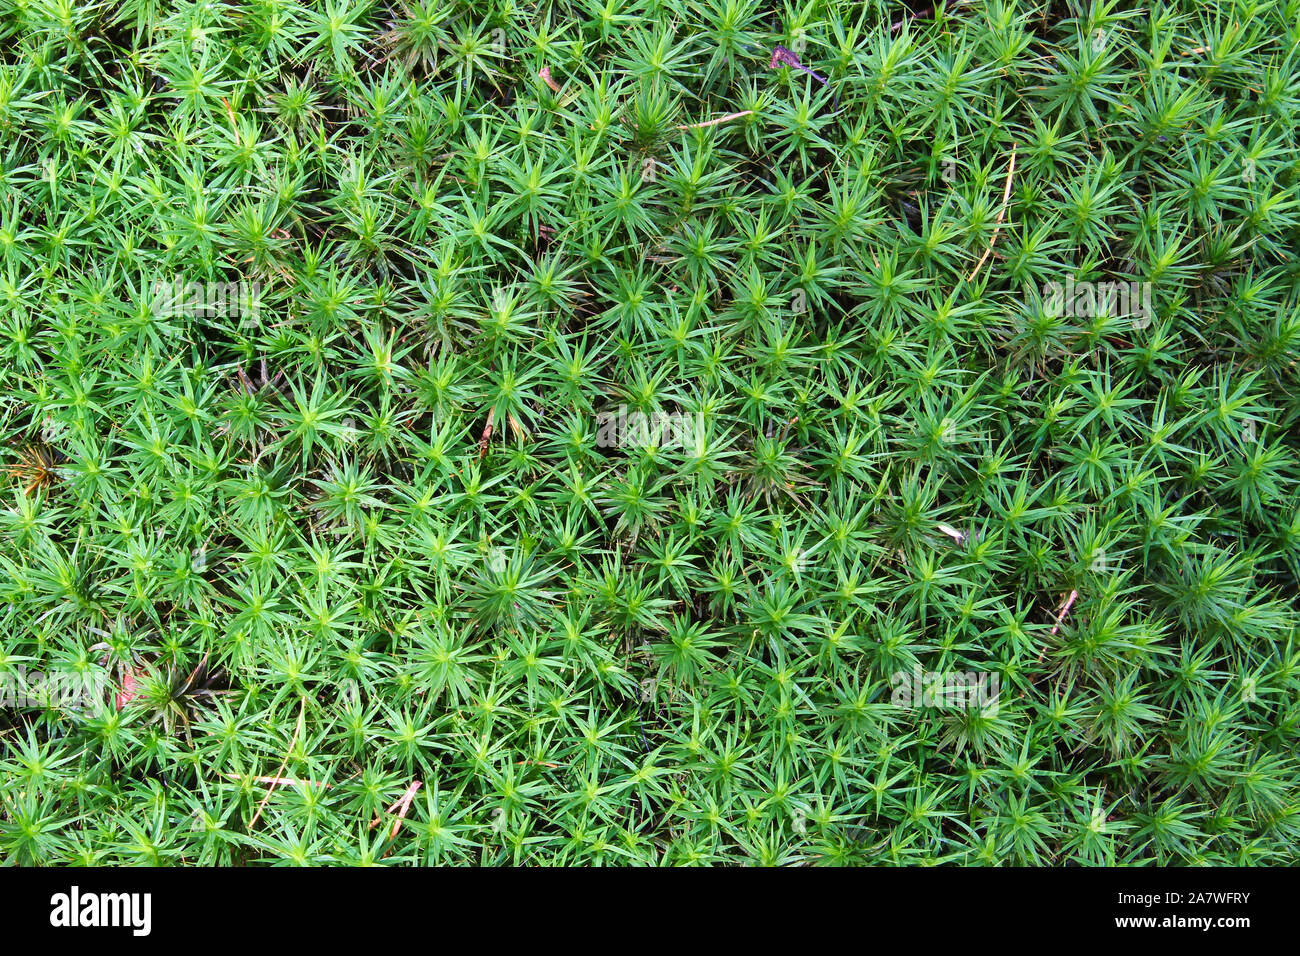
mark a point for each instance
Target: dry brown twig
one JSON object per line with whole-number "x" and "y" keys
{"x": 487, "y": 433}
{"x": 1002, "y": 214}
{"x": 720, "y": 119}
{"x": 1064, "y": 611}
{"x": 893, "y": 27}
{"x": 401, "y": 806}
{"x": 302, "y": 708}
{"x": 1060, "y": 616}
{"x": 234, "y": 125}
